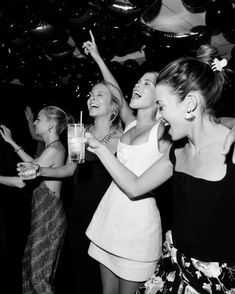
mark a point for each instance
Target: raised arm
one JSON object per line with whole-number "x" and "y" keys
{"x": 29, "y": 117}
{"x": 132, "y": 185}
{"x": 6, "y": 135}
{"x": 90, "y": 47}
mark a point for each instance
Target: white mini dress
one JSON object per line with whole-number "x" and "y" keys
{"x": 126, "y": 234}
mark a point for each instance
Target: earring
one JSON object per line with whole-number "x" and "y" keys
{"x": 113, "y": 115}
{"x": 189, "y": 116}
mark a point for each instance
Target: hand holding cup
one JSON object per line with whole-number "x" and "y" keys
{"x": 28, "y": 170}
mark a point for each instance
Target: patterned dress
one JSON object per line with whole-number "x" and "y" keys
{"x": 43, "y": 246}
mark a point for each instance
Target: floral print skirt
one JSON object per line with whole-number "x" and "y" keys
{"x": 178, "y": 274}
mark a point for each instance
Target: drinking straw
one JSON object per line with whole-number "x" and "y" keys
{"x": 80, "y": 117}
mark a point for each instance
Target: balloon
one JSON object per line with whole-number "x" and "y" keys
{"x": 233, "y": 52}
{"x": 123, "y": 10}
{"x": 201, "y": 37}
{"x": 45, "y": 30}
{"x": 188, "y": 41}
{"x": 19, "y": 11}
{"x": 59, "y": 50}
{"x": 160, "y": 54}
{"x": 217, "y": 14}
{"x": 78, "y": 19}
{"x": 50, "y": 8}
{"x": 229, "y": 30}
{"x": 142, "y": 3}
{"x": 151, "y": 12}
{"x": 5, "y": 23}
{"x": 125, "y": 40}
{"x": 195, "y": 6}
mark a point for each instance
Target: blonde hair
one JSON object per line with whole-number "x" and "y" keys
{"x": 58, "y": 115}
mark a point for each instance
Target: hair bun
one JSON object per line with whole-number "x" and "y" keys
{"x": 207, "y": 53}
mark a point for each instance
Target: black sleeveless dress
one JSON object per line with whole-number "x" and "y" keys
{"x": 199, "y": 253}
{"x": 91, "y": 180}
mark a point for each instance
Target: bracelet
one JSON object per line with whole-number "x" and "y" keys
{"x": 17, "y": 150}
{"x": 38, "y": 169}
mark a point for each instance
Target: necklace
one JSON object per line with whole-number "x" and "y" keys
{"x": 106, "y": 139}
{"x": 51, "y": 143}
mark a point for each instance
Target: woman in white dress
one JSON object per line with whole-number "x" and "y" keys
{"x": 126, "y": 235}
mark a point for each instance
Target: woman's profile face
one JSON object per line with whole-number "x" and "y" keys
{"x": 171, "y": 111}
{"x": 144, "y": 94}
{"x": 99, "y": 102}
{"x": 41, "y": 123}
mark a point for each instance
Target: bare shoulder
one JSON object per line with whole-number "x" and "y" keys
{"x": 52, "y": 155}
{"x": 56, "y": 148}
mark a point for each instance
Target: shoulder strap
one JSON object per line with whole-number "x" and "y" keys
{"x": 176, "y": 144}
{"x": 172, "y": 154}
{"x": 128, "y": 127}
{"x": 153, "y": 133}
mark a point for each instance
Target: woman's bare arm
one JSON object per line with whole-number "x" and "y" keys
{"x": 12, "y": 181}
{"x": 6, "y": 135}
{"x": 63, "y": 171}
{"x": 132, "y": 185}
{"x": 90, "y": 47}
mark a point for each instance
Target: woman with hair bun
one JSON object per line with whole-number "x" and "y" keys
{"x": 198, "y": 255}
{"x": 48, "y": 222}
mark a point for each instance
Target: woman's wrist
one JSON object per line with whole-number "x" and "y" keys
{"x": 38, "y": 169}
{"x": 16, "y": 147}
{"x": 99, "y": 60}
{"x": 102, "y": 150}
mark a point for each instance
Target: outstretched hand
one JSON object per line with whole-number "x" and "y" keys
{"x": 6, "y": 133}
{"x": 17, "y": 182}
{"x": 28, "y": 114}
{"x": 230, "y": 139}
{"x": 90, "y": 47}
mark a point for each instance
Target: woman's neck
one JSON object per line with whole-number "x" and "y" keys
{"x": 144, "y": 119}
{"x": 101, "y": 128}
{"x": 48, "y": 139}
{"x": 205, "y": 134}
